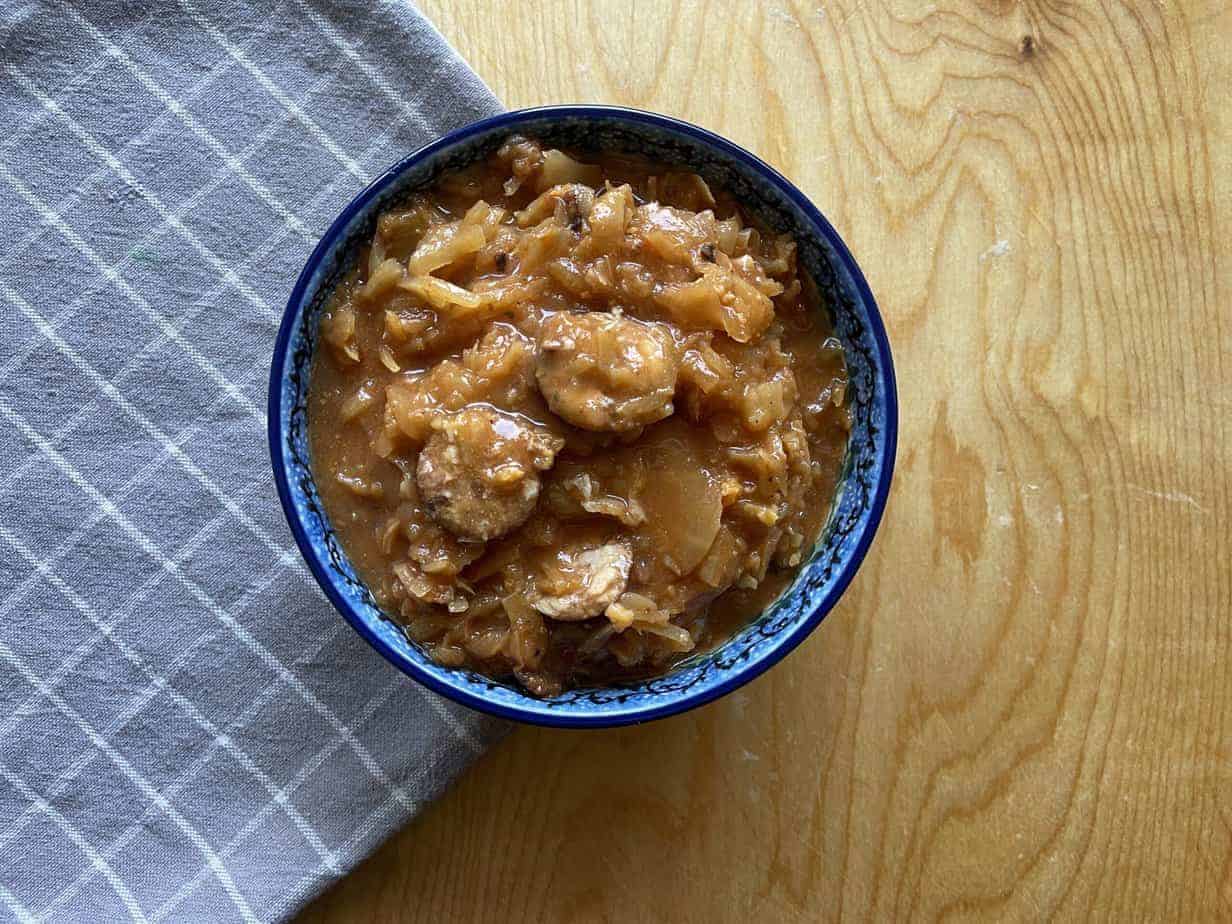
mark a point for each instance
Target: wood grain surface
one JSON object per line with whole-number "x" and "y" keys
{"x": 1021, "y": 708}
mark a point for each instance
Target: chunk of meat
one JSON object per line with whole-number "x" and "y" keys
{"x": 583, "y": 583}
{"x": 478, "y": 474}
{"x": 606, "y": 372}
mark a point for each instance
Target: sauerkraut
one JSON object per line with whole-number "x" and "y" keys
{"x": 575, "y": 417}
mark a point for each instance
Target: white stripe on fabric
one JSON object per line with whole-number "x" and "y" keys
{"x": 237, "y": 54}
{"x": 143, "y": 542}
{"x": 169, "y": 447}
{"x": 306, "y": 771}
{"x": 182, "y": 113}
{"x": 202, "y": 760}
{"x": 180, "y": 321}
{"x": 100, "y": 152}
{"x": 73, "y": 197}
{"x": 82, "y": 78}
{"x": 96, "y": 861}
{"x": 376, "y": 77}
{"x": 184, "y": 703}
{"x": 78, "y": 765}
{"x": 22, "y": 131}
{"x": 9, "y": 722}
{"x": 19, "y": 910}
{"x": 53, "y": 219}
{"x": 130, "y": 772}
{"x": 460, "y": 729}
{"x": 361, "y": 833}
{"x": 182, "y": 437}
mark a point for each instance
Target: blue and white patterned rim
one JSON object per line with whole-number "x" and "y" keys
{"x": 867, "y": 473}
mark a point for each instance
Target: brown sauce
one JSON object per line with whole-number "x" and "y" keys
{"x": 574, "y": 420}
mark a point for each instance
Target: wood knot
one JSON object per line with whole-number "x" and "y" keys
{"x": 1027, "y": 46}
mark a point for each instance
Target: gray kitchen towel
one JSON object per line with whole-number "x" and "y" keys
{"x": 188, "y": 731}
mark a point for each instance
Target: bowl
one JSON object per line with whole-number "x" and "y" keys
{"x": 863, "y": 484}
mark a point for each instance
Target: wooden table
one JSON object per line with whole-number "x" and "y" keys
{"x": 1022, "y": 709}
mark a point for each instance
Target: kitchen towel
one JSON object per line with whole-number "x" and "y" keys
{"x": 188, "y": 731}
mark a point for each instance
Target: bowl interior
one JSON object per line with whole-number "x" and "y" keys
{"x": 863, "y": 485}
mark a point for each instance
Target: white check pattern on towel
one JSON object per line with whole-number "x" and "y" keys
{"x": 188, "y": 731}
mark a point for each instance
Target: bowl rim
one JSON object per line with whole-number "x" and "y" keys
{"x": 590, "y": 718}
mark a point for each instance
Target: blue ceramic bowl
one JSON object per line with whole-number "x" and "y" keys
{"x": 863, "y": 487}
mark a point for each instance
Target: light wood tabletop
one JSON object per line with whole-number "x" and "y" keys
{"x": 1022, "y": 708}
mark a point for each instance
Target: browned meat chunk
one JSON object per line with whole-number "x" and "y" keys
{"x": 602, "y": 371}
{"x": 583, "y": 583}
{"x": 478, "y": 474}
